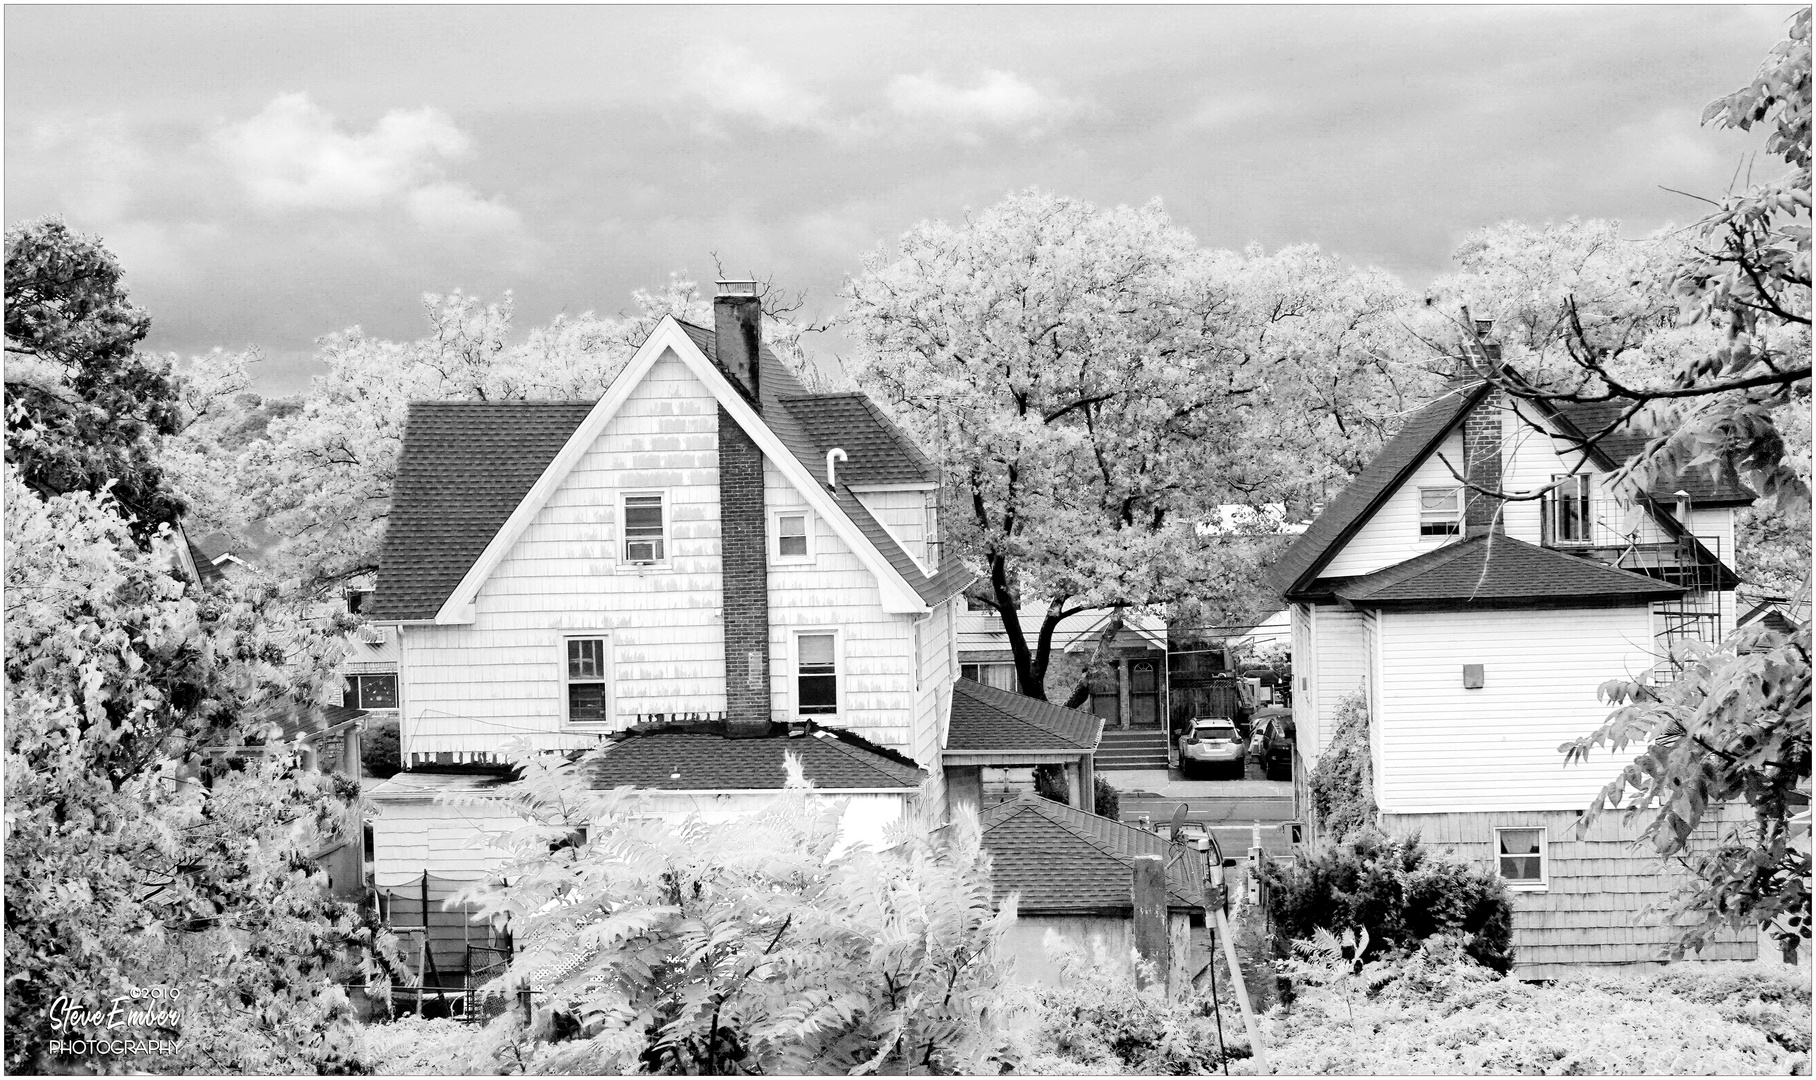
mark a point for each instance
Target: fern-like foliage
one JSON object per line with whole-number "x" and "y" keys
{"x": 762, "y": 944}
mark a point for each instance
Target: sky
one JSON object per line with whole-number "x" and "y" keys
{"x": 268, "y": 175}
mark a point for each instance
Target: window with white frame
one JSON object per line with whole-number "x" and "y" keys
{"x": 1440, "y": 511}
{"x": 817, "y": 673}
{"x": 645, "y": 528}
{"x": 587, "y": 678}
{"x": 1520, "y": 857}
{"x": 1570, "y": 508}
{"x": 793, "y": 536}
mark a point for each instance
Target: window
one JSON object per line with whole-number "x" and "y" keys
{"x": 931, "y": 533}
{"x": 816, "y": 674}
{"x": 360, "y": 600}
{"x": 1440, "y": 511}
{"x": 370, "y": 692}
{"x": 794, "y": 537}
{"x": 1001, "y": 676}
{"x": 588, "y": 701}
{"x": 644, "y": 531}
{"x": 1521, "y": 857}
{"x": 1570, "y": 508}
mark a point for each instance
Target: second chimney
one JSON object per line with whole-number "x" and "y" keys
{"x": 738, "y": 334}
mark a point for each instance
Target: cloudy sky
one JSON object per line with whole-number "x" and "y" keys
{"x": 270, "y": 174}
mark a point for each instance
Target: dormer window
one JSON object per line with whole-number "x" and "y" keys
{"x": 645, "y": 529}
{"x": 1440, "y": 511}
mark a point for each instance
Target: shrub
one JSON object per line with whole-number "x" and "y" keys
{"x": 1398, "y": 891}
{"x": 1050, "y": 783}
{"x": 380, "y": 754}
{"x": 1107, "y": 799}
{"x": 1342, "y": 784}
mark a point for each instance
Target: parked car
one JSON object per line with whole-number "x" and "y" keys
{"x": 1212, "y": 744}
{"x": 1277, "y": 747}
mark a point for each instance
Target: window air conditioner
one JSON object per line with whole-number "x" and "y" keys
{"x": 644, "y": 551}
{"x": 372, "y": 635}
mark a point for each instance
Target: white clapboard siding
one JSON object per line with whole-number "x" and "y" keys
{"x": 835, "y": 591}
{"x": 468, "y": 688}
{"x": 450, "y": 842}
{"x": 904, "y": 514}
{"x": 1342, "y": 661}
{"x": 1530, "y": 457}
{"x": 1442, "y": 748}
{"x": 1307, "y": 724}
{"x": 1392, "y": 534}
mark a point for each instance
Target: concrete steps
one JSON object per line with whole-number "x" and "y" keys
{"x": 1137, "y": 748}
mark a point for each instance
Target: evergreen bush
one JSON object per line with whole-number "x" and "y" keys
{"x": 1396, "y": 889}
{"x": 1342, "y": 784}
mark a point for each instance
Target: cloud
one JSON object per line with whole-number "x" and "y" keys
{"x": 294, "y": 155}
{"x": 1000, "y": 101}
{"x": 728, "y": 80}
{"x": 457, "y": 208}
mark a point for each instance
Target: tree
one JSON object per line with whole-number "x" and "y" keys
{"x": 133, "y": 866}
{"x": 1717, "y": 386}
{"x": 84, "y": 408}
{"x": 1095, "y": 387}
{"x": 321, "y": 476}
{"x": 764, "y": 944}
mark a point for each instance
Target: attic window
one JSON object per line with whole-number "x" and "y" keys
{"x": 644, "y": 531}
{"x": 794, "y": 537}
{"x": 1440, "y": 511}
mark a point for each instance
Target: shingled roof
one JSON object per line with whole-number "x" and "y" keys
{"x": 464, "y": 468}
{"x": 1714, "y": 486}
{"x": 1068, "y": 862}
{"x": 1422, "y": 433}
{"x": 466, "y": 465}
{"x": 700, "y": 757}
{"x": 1496, "y": 567}
{"x": 987, "y": 719}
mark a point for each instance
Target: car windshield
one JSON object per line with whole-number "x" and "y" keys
{"x": 1216, "y": 731}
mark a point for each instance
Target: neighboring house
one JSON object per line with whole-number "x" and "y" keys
{"x": 997, "y": 737}
{"x": 707, "y": 567}
{"x": 1074, "y": 874}
{"x": 1478, "y": 631}
{"x": 1774, "y": 613}
{"x": 1129, "y": 689}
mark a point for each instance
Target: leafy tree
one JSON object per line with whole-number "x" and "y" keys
{"x": 84, "y": 408}
{"x": 761, "y": 944}
{"x": 1725, "y": 383}
{"x": 132, "y": 863}
{"x": 1095, "y": 386}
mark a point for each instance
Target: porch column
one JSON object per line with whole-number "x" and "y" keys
{"x": 1122, "y": 689}
{"x": 1087, "y": 781}
{"x": 1076, "y": 795}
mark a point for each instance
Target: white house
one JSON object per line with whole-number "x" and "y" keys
{"x": 1478, "y": 630}
{"x": 705, "y": 568}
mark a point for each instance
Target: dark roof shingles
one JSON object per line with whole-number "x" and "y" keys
{"x": 1063, "y": 860}
{"x": 465, "y": 467}
{"x": 1715, "y": 485}
{"x": 680, "y": 759}
{"x": 987, "y": 719}
{"x": 1498, "y": 567}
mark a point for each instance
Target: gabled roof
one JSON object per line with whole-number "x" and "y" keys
{"x": 1496, "y": 567}
{"x": 1068, "y": 862}
{"x": 985, "y": 718}
{"x": 876, "y": 450}
{"x": 701, "y": 757}
{"x": 467, "y": 466}
{"x": 1423, "y": 433}
{"x": 1705, "y": 486}
{"x": 464, "y": 468}
{"x": 982, "y": 631}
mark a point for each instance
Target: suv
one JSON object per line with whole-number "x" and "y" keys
{"x": 1212, "y": 743}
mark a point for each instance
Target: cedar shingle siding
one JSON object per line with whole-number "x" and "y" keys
{"x": 1598, "y": 886}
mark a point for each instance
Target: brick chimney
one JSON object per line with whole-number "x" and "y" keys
{"x": 1482, "y": 435}
{"x": 738, "y": 334}
{"x": 743, "y": 538}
